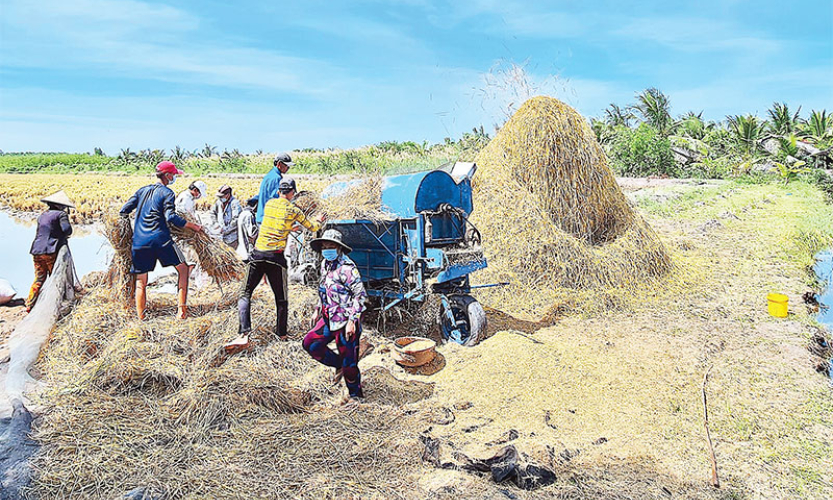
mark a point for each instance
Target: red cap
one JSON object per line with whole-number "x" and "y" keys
{"x": 167, "y": 167}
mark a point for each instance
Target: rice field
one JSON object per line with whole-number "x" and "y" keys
{"x": 592, "y": 366}
{"x": 95, "y": 195}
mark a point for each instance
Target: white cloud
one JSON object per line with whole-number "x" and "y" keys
{"x": 689, "y": 34}
{"x": 755, "y": 94}
{"x": 364, "y": 31}
{"x": 514, "y": 19}
{"x": 137, "y": 39}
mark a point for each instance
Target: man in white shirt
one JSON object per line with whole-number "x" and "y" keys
{"x": 186, "y": 201}
{"x": 247, "y": 229}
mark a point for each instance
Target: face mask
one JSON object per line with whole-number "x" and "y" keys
{"x": 173, "y": 179}
{"x": 330, "y": 254}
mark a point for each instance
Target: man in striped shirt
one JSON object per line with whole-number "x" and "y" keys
{"x": 267, "y": 259}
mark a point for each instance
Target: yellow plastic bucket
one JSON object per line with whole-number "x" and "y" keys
{"x": 777, "y": 304}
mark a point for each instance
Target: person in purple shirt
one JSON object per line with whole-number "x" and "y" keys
{"x": 152, "y": 242}
{"x": 342, "y": 301}
{"x": 270, "y": 183}
{"x": 52, "y": 233}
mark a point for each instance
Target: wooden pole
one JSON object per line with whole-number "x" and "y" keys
{"x": 715, "y": 481}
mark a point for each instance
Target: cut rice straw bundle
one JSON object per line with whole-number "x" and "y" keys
{"x": 216, "y": 258}
{"x": 119, "y": 232}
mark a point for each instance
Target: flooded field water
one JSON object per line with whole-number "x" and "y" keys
{"x": 90, "y": 251}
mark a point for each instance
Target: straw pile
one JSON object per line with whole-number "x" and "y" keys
{"x": 553, "y": 219}
{"x": 362, "y": 200}
{"x": 157, "y": 405}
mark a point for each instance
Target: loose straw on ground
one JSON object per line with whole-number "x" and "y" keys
{"x": 156, "y": 405}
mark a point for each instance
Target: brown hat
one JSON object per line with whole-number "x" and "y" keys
{"x": 224, "y": 190}
{"x": 59, "y": 198}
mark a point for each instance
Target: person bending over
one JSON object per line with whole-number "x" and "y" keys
{"x": 338, "y": 317}
{"x": 152, "y": 242}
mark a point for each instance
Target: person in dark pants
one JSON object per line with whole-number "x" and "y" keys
{"x": 267, "y": 259}
{"x": 53, "y": 231}
{"x": 342, "y": 297}
{"x": 152, "y": 242}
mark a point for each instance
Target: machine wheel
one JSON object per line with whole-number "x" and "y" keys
{"x": 469, "y": 320}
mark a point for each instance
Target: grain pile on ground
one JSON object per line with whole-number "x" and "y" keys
{"x": 552, "y": 217}
{"x": 157, "y": 405}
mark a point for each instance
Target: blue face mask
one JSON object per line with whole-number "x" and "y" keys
{"x": 330, "y": 254}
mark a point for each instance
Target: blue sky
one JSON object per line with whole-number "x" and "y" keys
{"x": 75, "y": 74}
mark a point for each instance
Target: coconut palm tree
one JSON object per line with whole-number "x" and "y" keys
{"x": 746, "y": 130}
{"x": 230, "y": 155}
{"x": 603, "y": 129}
{"x": 781, "y": 121}
{"x": 819, "y": 126}
{"x": 179, "y": 155}
{"x": 127, "y": 156}
{"x": 208, "y": 151}
{"x": 692, "y": 125}
{"x": 654, "y": 106}
{"x": 615, "y": 115}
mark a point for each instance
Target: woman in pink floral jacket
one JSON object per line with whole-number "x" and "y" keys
{"x": 342, "y": 296}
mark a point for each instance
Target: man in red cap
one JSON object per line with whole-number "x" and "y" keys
{"x": 152, "y": 242}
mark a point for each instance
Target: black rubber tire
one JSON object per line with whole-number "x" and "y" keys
{"x": 466, "y": 306}
{"x": 476, "y": 316}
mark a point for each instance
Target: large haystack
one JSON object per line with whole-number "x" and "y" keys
{"x": 553, "y": 219}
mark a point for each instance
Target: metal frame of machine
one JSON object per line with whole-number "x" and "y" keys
{"x": 427, "y": 247}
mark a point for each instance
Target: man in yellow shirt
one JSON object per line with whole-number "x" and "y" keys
{"x": 267, "y": 259}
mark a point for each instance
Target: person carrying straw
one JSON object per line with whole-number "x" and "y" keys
{"x": 341, "y": 303}
{"x": 152, "y": 242}
{"x": 267, "y": 259}
{"x": 52, "y": 233}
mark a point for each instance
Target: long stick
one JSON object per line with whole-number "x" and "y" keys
{"x": 714, "y": 481}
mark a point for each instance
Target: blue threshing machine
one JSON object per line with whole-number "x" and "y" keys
{"x": 427, "y": 247}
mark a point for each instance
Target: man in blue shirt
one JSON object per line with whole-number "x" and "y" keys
{"x": 152, "y": 242}
{"x": 270, "y": 183}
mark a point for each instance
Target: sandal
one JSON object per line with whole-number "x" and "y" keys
{"x": 237, "y": 345}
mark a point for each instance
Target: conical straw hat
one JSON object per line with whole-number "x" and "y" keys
{"x": 59, "y": 198}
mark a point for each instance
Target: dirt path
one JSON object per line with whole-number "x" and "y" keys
{"x": 636, "y": 183}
